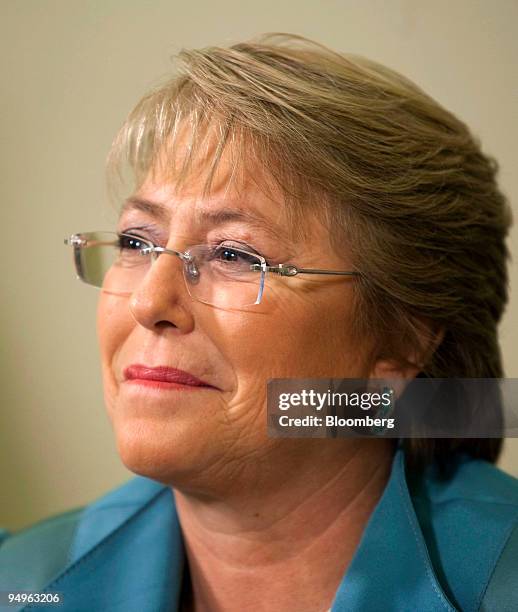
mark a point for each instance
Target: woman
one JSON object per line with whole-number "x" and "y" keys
{"x": 273, "y": 153}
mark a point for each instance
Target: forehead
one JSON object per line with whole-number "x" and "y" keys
{"x": 248, "y": 204}
{"x": 239, "y": 192}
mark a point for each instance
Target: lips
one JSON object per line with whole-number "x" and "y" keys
{"x": 163, "y": 374}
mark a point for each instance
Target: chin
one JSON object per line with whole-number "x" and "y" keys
{"x": 150, "y": 449}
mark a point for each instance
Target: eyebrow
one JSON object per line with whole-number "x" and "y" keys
{"x": 155, "y": 209}
{"x": 219, "y": 216}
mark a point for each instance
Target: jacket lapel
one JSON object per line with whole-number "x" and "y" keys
{"x": 391, "y": 568}
{"x": 128, "y": 554}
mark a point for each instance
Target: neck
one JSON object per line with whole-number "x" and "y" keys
{"x": 286, "y": 539}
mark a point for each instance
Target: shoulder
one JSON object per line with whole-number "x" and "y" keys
{"x": 39, "y": 531}
{"x": 470, "y": 523}
{"x": 477, "y": 498}
{"x": 475, "y": 480}
{"x": 474, "y": 489}
{"x": 34, "y": 555}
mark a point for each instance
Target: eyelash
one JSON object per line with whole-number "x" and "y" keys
{"x": 216, "y": 241}
{"x": 153, "y": 236}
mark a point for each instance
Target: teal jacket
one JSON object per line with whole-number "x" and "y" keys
{"x": 436, "y": 545}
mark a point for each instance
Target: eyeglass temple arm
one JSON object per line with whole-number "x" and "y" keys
{"x": 289, "y": 270}
{"x": 281, "y": 269}
{"x": 315, "y": 271}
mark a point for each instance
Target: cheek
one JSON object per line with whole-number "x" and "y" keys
{"x": 295, "y": 335}
{"x": 114, "y": 323}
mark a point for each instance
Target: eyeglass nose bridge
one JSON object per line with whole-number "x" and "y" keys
{"x": 191, "y": 271}
{"x": 149, "y": 250}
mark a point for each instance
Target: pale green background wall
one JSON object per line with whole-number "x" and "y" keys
{"x": 71, "y": 70}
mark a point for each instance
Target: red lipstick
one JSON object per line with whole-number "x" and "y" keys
{"x": 163, "y": 377}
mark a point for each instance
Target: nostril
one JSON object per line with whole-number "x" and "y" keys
{"x": 165, "y": 323}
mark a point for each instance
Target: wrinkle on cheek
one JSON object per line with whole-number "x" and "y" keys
{"x": 242, "y": 416}
{"x": 305, "y": 283}
{"x": 241, "y": 453}
{"x": 242, "y": 413}
{"x": 240, "y": 439}
{"x": 308, "y": 298}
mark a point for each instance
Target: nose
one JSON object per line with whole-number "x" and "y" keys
{"x": 161, "y": 299}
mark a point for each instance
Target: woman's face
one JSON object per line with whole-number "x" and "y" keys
{"x": 302, "y": 329}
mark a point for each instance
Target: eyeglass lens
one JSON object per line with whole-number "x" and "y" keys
{"x": 220, "y": 275}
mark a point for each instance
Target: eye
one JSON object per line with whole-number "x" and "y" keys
{"x": 227, "y": 255}
{"x": 129, "y": 249}
{"x": 130, "y": 243}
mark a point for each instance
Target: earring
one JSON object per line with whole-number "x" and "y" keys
{"x": 385, "y": 411}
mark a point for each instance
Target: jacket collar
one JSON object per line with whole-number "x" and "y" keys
{"x": 391, "y": 563}
{"x": 128, "y": 555}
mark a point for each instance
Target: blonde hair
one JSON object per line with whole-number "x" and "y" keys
{"x": 398, "y": 179}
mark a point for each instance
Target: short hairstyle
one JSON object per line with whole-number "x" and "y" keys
{"x": 401, "y": 182}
